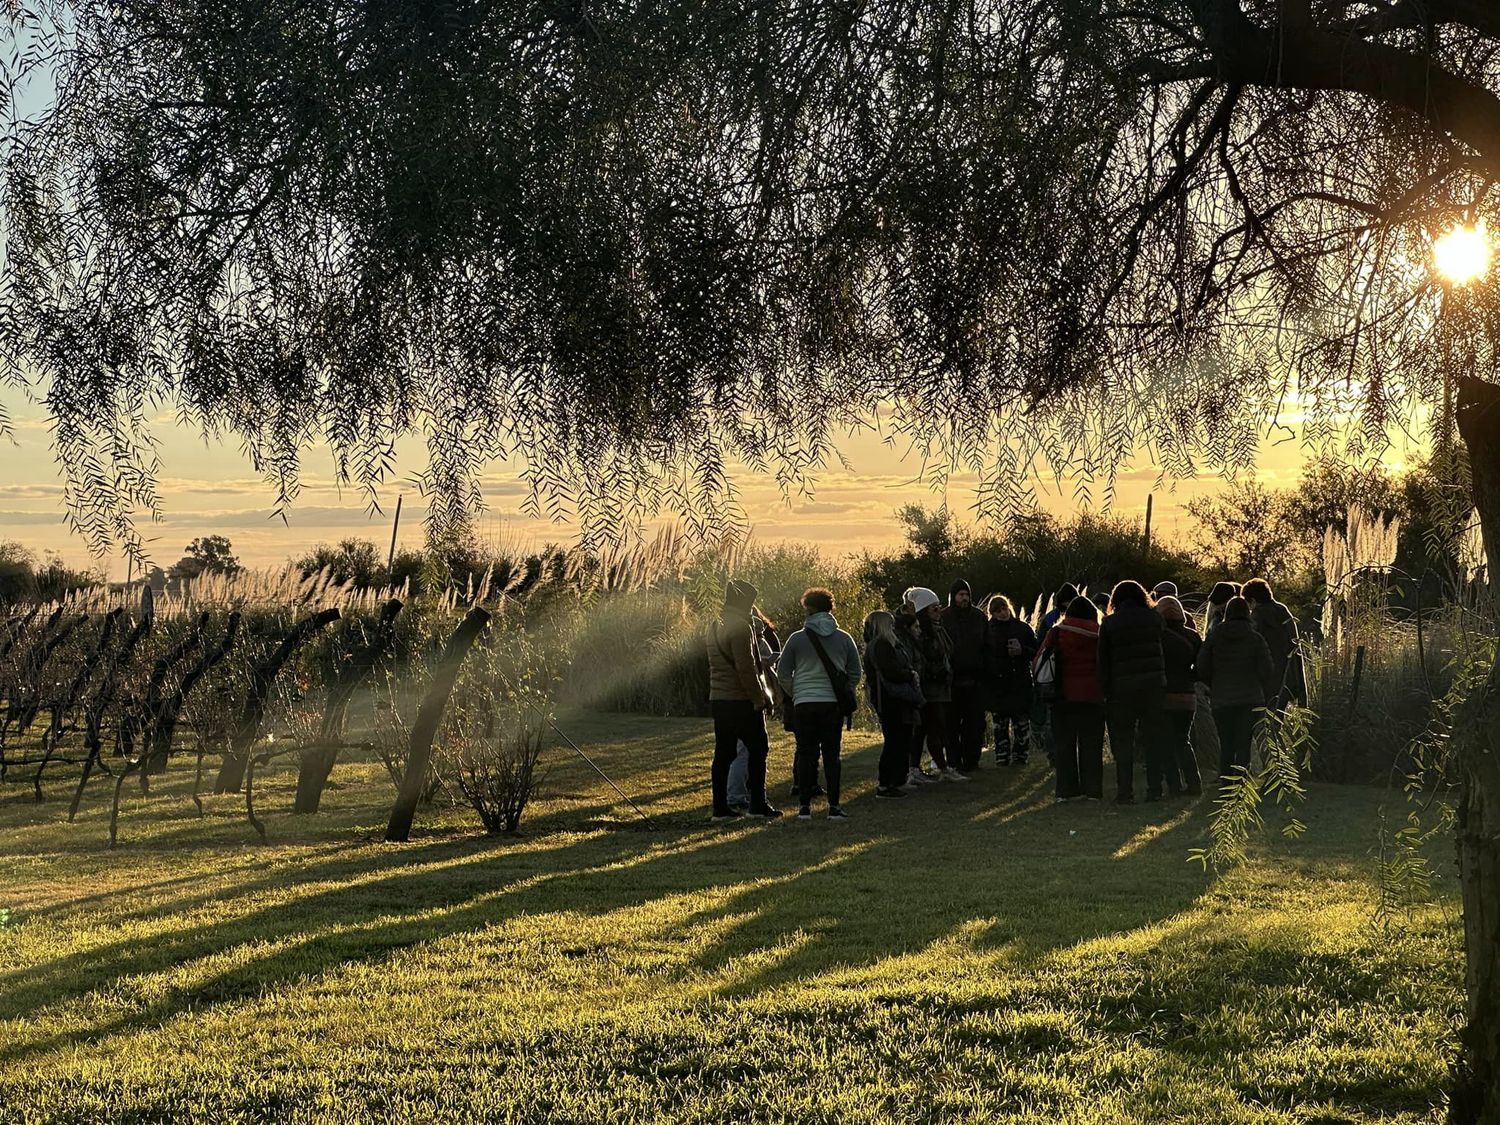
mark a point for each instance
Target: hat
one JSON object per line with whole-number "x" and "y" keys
{"x": 1170, "y": 608}
{"x": 960, "y": 584}
{"x": 1164, "y": 590}
{"x": 739, "y": 594}
{"x": 920, "y": 598}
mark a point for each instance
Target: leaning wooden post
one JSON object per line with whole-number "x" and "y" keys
{"x": 1146, "y": 542}
{"x": 429, "y": 715}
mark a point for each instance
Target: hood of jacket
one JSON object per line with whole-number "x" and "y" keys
{"x": 822, "y": 624}
{"x": 1270, "y": 613}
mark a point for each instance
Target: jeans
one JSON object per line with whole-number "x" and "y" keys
{"x": 820, "y": 734}
{"x": 737, "y": 721}
{"x": 966, "y": 737}
{"x": 1171, "y": 759}
{"x": 1237, "y": 727}
{"x": 739, "y": 776}
{"x": 934, "y": 732}
{"x": 1078, "y": 747}
{"x": 899, "y": 735}
{"x": 1130, "y": 723}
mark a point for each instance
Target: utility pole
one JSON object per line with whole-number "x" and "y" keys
{"x": 390, "y": 559}
{"x": 1150, "y": 498}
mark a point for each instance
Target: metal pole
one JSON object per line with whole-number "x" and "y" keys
{"x": 390, "y": 559}
{"x": 651, "y": 824}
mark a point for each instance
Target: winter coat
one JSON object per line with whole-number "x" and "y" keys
{"x": 1179, "y": 647}
{"x": 1076, "y": 640}
{"x": 733, "y": 667}
{"x": 968, "y": 628}
{"x": 935, "y": 663}
{"x": 889, "y": 661}
{"x": 800, "y": 670}
{"x": 1278, "y": 628}
{"x": 1237, "y": 666}
{"x": 1131, "y": 665}
{"x": 1009, "y": 678}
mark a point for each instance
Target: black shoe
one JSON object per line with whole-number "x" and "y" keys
{"x": 768, "y": 812}
{"x": 804, "y": 813}
{"x": 884, "y": 794}
{"x": 836, "y": 813}
{"x": 725, "y": 816}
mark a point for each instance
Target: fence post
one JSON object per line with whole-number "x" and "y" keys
{"x": 429, "y": 715}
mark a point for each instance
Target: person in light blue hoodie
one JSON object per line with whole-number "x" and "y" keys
{"x": 821, "y": 702}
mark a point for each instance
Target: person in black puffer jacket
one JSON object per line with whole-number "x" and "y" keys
{"x": 1276, "y": 625}
{"x": 1012, "y": 644}
{"x": 1133, "y": 674}
{"x": 969, "y": 631}
{"x": 891, "y": 672}
{"x": 1171, "y": 758}
{"x": 1241, "y": 677}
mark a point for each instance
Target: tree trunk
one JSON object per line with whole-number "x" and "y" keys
{"x": 1476, "y": 1094}
{"x": 429, "y": 715}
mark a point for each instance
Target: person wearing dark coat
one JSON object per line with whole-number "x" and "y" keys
{"x": 969, "y": 631}
{"x": 1011, "y": 647}
{"x": 739, "y": 701}
{"x": 892, "y": 681}
{"x": 1241, "y": 677}
{"x": 1278, "y": 628}
{"x": 1078, "y": 708}
{"x": 934, "y": 652}
{"x": 1060, "y": 602}
{"x": 1218, "y": 598}
{"x": 1133, "y": 675}
{"x": 1171, "y": 760}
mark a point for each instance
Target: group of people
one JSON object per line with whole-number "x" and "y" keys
{"x": 948, "y": 681}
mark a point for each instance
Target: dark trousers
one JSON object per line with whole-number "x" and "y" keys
{"x": 1237, "y": 727}
{"x": 1171, "y": 759}
{"x": 736, "y": 721}
{"x": 895, "y": 754}
{"x": 820, "y": 734}
{"x": 934, "y": 734}
{"x": 1078, "y": 747}
{"x": 966, "y": 740}
{"x": 1130, "y": 723}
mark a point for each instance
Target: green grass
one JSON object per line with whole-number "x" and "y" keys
{"x": 972, "y": 954}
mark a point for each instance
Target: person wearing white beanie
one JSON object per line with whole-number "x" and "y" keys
{"x": 935, "y": 670}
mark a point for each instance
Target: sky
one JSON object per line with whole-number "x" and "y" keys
{"x": 210, "y": 488}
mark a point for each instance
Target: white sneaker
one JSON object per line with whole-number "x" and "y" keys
{"x": 951, "y": 774}
{"x": 914, "y": 780}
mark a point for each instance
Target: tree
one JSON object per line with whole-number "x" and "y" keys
{"x": 208, "y": 554}
{"x": 353, "y": 562}
{"x": 1251, "y": 530}
{"x": 630, "y": 244}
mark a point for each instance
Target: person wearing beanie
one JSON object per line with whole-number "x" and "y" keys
{"x": 738, "y": 699}
{"x": 1241, "y": 677}
{"x": 935, "y": 670}
{"x": 1164, "y": 590}
{"x": 1011, "y": 646}
{"x": 1060, "y": 602}
{"x": 1170, "y": 759}
{"x": 1078, "y": 705}
{"x": 969, "y": 630}
{"x": 1133, "y": 675}
{"x": 820, "y": 669}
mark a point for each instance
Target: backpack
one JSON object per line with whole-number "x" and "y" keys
{"x": 1048, "y": 678}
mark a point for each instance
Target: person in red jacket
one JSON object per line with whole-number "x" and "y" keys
{"x": 1078, "y": 709}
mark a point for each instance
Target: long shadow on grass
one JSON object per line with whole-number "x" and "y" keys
{"x": 818, "y": 896}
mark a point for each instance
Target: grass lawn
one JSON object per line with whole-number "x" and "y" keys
{"x": 972, "y": 954}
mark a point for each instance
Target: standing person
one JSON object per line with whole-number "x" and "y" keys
{"x": 1078, "y": 709}
{"x": 1237, "y": 666}
{"x": 739, "y": 701}
{"x": 1172, "y": 748}
{"x": 935, "y": 668}
{"x": 767, "y": 647}
{"x": 820, "y": 668}
{"x": 1278, "y": 628}
{"x": 1163, "y": 590}
{"x": 1133, "y": 674}
{"x": 1218, "y": 598}
{"x": 969, "y": 632}
{"x": 896, "y": 696}
{"x": 1012, "y": 645}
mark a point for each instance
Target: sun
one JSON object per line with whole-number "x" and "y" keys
{"x": 1462, "y": 255}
